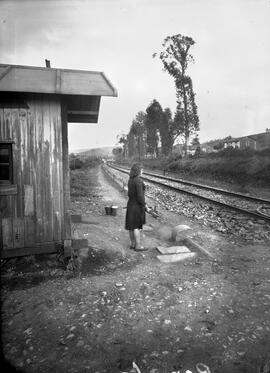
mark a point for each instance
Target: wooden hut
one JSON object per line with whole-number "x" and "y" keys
{"x": 36, "y": 105}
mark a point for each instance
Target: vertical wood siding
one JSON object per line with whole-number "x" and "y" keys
{"x": 66, "y": 174}
{"x": 36, "y": 213}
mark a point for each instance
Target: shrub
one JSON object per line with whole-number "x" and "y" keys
{"x": 75, "y": 163}
{"x": 91, "y": 161}
{"x": 233, "y": 164}
{"x": 230, "y": 164}
{"x": 79, "y": 184}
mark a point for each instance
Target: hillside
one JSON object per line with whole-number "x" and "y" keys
{"x": 97, "y": 152}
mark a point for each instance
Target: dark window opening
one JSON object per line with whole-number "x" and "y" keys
{"x": 6, "y": 164}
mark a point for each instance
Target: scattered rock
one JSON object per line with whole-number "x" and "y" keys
{"x": 71, "y": 336}
{"x": 28, "y": 331}
{"x": 80, "y": 343}
{"x": 118, "y": 284}
{"x": 167, "y": 322}
{"x": 241, "y": 353}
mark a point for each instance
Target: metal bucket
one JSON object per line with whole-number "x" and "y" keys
{"x": 114, "y": 210}
{"x": 108, "y": 210}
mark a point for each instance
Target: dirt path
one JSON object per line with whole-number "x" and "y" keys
{"x": 127, "y": 306}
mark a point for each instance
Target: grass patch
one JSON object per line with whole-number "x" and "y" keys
{"x": 239, "y": 166}
{"x": 234, "y": 165}
{"x": 79, "y": 183}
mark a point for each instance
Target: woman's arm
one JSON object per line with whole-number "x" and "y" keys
{"x": 140, "y": 192}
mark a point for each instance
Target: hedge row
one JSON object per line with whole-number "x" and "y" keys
{"x": 234, "y": 164}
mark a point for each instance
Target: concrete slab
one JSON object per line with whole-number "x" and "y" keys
{"x": 195, "y": 246}
{"x": 173, "y": 258}
{"x": 76, "y": 218}
{"x": 79, "y": 243}
{"x": 173, "y": 249}
{"x": 88, "y": 219}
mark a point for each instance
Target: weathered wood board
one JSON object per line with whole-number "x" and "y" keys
{"x": 35, "y": 211}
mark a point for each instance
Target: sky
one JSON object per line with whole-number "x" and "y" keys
{"x": 231, "y": 72}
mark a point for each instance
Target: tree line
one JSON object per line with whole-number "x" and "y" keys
{"x": 156, "y": 129}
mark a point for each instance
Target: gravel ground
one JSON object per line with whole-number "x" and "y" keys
{"x": 123, "y": 306}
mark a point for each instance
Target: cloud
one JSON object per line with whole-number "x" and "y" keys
{"x": 34, "y": 24}
{"x": 230, "y": 75}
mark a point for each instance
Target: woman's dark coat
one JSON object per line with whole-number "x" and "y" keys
{"x": 135, "y": 216}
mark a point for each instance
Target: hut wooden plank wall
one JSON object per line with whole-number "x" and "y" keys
{"x": 34, "y": 176}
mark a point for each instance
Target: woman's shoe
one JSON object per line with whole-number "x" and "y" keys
{"x": 141, "y": 249}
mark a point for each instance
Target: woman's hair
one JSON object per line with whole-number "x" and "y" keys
{"x": 135, "y": 170}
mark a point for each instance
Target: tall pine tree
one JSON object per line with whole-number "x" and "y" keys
{"x": 176, "y": 58}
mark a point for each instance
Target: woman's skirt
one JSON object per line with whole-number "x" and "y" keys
{"x": 135, "y": 216}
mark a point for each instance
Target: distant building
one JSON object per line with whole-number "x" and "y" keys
{"x": 209, "y": 147}
{"x": 258, "y": 141}
{"x": 231, "y": 143}
{"x": 180, "y": 149}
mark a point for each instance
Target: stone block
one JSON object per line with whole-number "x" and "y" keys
{"x": 79, "y": 243}
{"x": 178, "y": 232}
{"x": 76, "y": 218}
{"x": 173, "y": 249}
{"x": 173, "y": 258}
{"x": 195, "y": 246}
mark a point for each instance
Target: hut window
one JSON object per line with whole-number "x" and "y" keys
{"x": 6, "y": 166}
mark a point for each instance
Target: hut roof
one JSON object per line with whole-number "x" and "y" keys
{"x": 16, "y": 78}
{"x": 81, "y": 90}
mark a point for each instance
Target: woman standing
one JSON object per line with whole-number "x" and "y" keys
{"x": 136, "y": 207}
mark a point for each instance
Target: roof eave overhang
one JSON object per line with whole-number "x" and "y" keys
{"x": 80, "y": 90}
{"x": 17, "y": 78}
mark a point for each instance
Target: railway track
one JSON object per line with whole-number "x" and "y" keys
{"x": 253, "y": 206}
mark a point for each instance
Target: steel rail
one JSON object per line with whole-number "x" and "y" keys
{"x": 176, "y": 189}
{"x": 202, "y": 186}
{"x": 207, "y": 187}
